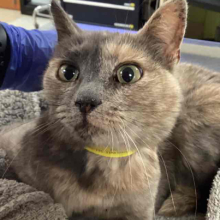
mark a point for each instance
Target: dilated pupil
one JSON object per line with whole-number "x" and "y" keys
{"x": 127, "y": 74}
{"x": 69, "y": 73}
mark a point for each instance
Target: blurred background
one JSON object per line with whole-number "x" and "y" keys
{"x": 202, "y": 35}
{"x": 203, "y": 19}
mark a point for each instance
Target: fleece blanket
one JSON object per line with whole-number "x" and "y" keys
{"x": 19, "y": 201}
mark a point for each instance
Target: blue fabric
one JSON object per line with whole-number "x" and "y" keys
{"x": 30, "y": 52}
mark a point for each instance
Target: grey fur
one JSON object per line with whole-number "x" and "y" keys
{"x": 157, "y": 113}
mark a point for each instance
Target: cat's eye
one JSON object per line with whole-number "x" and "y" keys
{"x": 129, "y": 74}
{"x": 68, "y": 73}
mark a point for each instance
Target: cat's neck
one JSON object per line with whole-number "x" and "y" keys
{"x": 123, "y": 172}
{"x": 128, "y": 173}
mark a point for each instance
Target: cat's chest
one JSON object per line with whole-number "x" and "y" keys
{"x": 96, "y": 195}
{"x": 92, "y": 202}
{"x": 80, "y": 202}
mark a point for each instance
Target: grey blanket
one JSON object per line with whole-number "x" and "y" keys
{"x": 20, "y": 201}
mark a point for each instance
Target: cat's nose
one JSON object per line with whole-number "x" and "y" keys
{"x": 87, "y": 104}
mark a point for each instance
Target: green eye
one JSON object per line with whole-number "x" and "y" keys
{"x": 68, "y": 73}
{"x": 129, "y": 74}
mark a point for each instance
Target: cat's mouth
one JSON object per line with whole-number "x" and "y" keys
{"x": 86, "y": 130}
{"x": 92, "y": 121}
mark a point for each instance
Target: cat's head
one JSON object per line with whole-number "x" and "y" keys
{"x": 111, "y": 89}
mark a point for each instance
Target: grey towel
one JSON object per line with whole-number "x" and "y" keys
{"x": 20, "y": 201}
{"x": 213, "y": 212}
{"x": 18, "y": 106}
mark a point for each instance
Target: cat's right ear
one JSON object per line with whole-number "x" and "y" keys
{"x": 164, "y": 32}
{"x": 65, "y": 26}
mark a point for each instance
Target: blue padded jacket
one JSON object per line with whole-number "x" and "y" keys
{"x": 30, "y": 53}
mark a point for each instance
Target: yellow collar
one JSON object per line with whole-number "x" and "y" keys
{"x": 107, "y": 152}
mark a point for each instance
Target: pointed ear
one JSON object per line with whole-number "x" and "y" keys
{"x": 65, "y": 26}
{"x": 164, "y": 32}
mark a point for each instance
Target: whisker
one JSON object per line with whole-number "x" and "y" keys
{"x": 168, "y": 179}
{"x": 112, "y": 138}
{"x": 129, "y": 157}
{"x": 193, "y": 177}
{"x": 142, "y": 161}
{"x": 11, "y": 125}
{"x": 109, "y": 145}
{"x": 129, "y": 148}
{"x": 9, "y": 165}
{"x": 23, "y": 143}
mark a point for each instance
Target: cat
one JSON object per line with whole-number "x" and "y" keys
{"x": 129, "y": 132}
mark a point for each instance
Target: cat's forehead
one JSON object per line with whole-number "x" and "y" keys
{"x": 103, "y": 49}
{"x": 123, "y": 47}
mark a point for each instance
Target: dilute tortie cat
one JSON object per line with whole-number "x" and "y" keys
{"x": 129, "y": 131}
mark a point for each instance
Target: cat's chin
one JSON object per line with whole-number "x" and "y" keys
{"x": 87, "y": 131}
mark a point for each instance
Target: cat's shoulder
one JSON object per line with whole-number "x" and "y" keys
{"x": 201, "y": 93}
{"x": 190, "y": 75}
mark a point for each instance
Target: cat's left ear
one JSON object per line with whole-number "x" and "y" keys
{"x": 65, "y": 26}
{"x": 164, "y": 32}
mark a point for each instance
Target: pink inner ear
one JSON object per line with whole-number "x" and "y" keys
{"x": 171, "y": 28}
